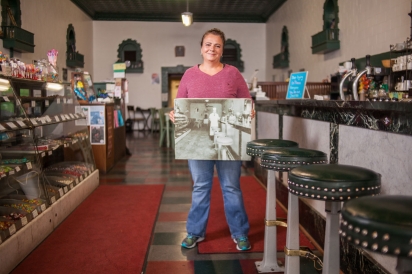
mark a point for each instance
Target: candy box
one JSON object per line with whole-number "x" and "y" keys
{"x": 19, "y": 217}
{"x": 30, "y": 210}
{"x": 7, "y": 228}
{"x": 39, "y": 203}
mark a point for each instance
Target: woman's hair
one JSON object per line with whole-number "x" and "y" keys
{"x": 214, "y": 31}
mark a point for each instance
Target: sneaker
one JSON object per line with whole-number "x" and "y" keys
{"x": 190, "y": 241}
{"x": 242, "y": 243}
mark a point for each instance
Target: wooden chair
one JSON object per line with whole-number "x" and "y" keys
{"x": 163, "y": 128}
{"x": 155, "y": 122}
{"x": 132, "y": 115}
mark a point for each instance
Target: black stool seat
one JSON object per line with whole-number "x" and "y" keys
{"x": 257, "y": 147}
{"x": 287, "y": 158}
{"x": 381, "y": 224}
{"x": 333, "y": 182}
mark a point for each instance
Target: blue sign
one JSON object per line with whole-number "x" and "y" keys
{"x": 297, "y": 84}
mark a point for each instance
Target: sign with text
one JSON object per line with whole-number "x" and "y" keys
{"x": 297, "y": 84}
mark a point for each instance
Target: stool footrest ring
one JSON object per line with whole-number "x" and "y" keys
{"x": 305, "y": 254}
{"x": 278, "y": 222}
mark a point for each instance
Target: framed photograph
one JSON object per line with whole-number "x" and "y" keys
{"x": 97, "y": 135}
{"x": 179, "y": 51}
{"x": 212, "y": 129}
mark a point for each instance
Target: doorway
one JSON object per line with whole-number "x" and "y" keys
{"x": 174, "y": 81}
{"x": 176, "y": 74}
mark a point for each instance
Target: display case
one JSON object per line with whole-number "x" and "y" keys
{"x": 46, "y": 163}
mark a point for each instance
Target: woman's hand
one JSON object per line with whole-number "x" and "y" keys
{"x": 252, "y": 113}
{"x": 172, "y": 116}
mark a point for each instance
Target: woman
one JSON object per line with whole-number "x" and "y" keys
{"x": 212, "y": 79}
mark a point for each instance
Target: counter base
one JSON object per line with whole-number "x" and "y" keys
{"x": 18, "y": 246}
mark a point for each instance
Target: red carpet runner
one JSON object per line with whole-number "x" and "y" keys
{"x": 108, "y": 233}
{"x": 218, "y": 238}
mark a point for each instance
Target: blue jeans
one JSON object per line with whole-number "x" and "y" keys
{"x": 229, "y": 177}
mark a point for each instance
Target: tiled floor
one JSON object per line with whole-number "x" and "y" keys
{"x": 150, "y": 164}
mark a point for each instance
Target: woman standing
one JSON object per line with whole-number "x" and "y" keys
{"x": 213, "y": 79}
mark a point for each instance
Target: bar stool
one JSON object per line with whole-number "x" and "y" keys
{"x": 285, "y": 159}
{"x": 381, "y": 224}
{"x": 333, "y": 184}
{"x": 256, "y": 148}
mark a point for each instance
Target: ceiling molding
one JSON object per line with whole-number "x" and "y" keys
{"x": 229, "y": 11}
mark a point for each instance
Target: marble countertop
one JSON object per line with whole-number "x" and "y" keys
{"x": 395, "y": 117}
{"x": 363, "y": 105}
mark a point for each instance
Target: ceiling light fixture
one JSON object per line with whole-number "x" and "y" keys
{"x": 187, "y": 17}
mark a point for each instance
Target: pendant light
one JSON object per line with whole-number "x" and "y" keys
{"x": 187, "y": 17}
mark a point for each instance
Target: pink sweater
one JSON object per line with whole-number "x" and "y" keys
{"x": 227, "y": 83}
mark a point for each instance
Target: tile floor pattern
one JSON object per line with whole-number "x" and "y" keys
{"x": 150, "y": 164}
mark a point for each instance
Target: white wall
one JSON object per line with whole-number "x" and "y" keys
{"x": 48, "y": 20}
{"x": 158, "y": 41}
{"x": 365, "y": 27}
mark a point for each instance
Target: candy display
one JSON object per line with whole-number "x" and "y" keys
{"x": 5, "y": 169}
{"x": 21, "y": 206}
{"x": 14, "y": 161}
{"x": 4, "y": 225}
{"x": 14, "y": 216}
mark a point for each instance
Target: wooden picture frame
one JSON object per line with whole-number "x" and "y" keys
{"x": 179, "y": 51}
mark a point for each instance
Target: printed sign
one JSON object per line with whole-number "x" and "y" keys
{"x": 297, "y": 84}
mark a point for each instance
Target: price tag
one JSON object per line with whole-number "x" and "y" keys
{"x": 2, "y": 128}
{"x": 58, "y": 100}
{"x": 53, "y": 199}
{"x": 76, "y": 115}
{"x": 63, "y": 117}
{"x": 67, "y": 117}
{"x": 17, "y": 169}
{"x": 12, "y": 125}
{"x": 57, "y": 118}
{"x": 77, "y": 181}
{"x": 66, "y": 144}
{"x": 21, "y": 123}
{"x": 33, "y": 104}
{"x": 48, "y": 119}
{"x": 36, "y": 93}
{"x": 71, "y": 186}
{"x": 50, "y": 152}
{"x": 2, "y": 175}
{"x": 29, "y": 166}
{"x": 46, "y": 103}
{"x": 23, "y": 221}
{"x": 61, "y": 192}
{"x": 43, "y": 207}
{"x": 43, "y": 154}
{"x": 70, "y": 101}
{"x": 33, "y": 121}
{"x": 12, "y": 229}
{"x": 65, "y": 189}
{"x": 71, "y": 115}
{"x": 35, "y": 213}
{"x": 11, "y": 172}
{"x": 5, "y": 98}
{"x": 64, "y": 100}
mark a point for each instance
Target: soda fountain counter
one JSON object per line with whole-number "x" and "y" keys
{"x": 373, "y": 135}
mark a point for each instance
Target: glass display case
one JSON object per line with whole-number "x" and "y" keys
{"x": 45, "y": 154}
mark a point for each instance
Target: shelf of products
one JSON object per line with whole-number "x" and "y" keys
{"x": 401, "y": 74}
{"x": 45, "y": 156}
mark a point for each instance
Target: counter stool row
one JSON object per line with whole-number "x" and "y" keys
{"x": 309, "y": 177}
